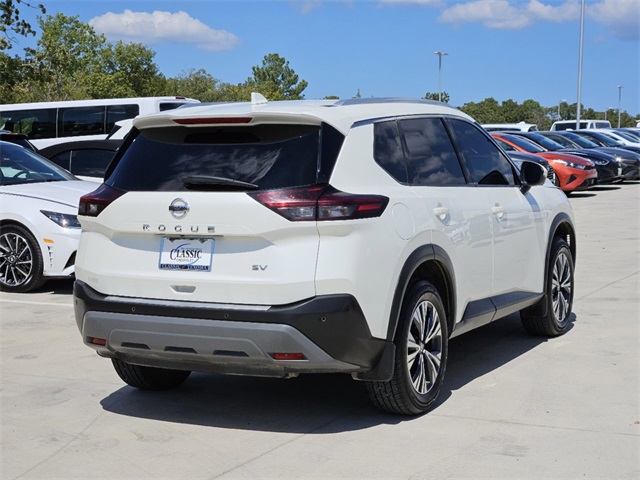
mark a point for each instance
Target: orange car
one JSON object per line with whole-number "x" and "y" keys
{"x": 572, "y": 172}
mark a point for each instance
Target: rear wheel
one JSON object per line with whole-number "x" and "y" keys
{"x": 149, "y": 378}
{"x": 21, "y": 266}
{"x": 421, "y": 355}
{"x": 558, "y": 299}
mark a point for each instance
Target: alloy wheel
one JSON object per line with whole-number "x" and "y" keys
{"x": 561, "y": 287}
{"x": 424, "y": 347}
{"x": 16, "y": 259}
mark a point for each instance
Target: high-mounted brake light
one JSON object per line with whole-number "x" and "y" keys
{"x": 212, "y": 120}
{"x": 321, "y": 203}
{"x": 92, "y": 204}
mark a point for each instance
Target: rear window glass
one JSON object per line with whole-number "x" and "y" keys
{"x": 266, "y": 156}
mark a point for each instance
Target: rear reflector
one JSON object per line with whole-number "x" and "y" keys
{"x": 321, "y": 202}
{"x": 92, "y": 204}
{"x": 98, "y": 341}
{"x": 212, "y": 121}
{"x": 288, "y": 356}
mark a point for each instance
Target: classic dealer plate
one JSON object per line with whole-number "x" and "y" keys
{"x": 186, "y": 254}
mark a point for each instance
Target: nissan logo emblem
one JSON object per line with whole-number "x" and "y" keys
{"x": 179, "y": 208}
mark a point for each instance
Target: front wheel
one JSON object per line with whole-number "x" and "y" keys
{"x": 21, "y": 266}
{"x": 149, "y": 378}
{"x": 558, "y": 300}
{"x": 421, "y": 355}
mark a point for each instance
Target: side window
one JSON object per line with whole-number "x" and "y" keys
{"x": 486, "y": 164}
{"x": 387, "y": 150}
{"x": 62, "y": 159}
{"x": 432, "y": 158}
{"x": 76, "y": 121}
{"x": 115, "y": 113}
{"x": 38, "y": 123}
{"x": 164, "y": 106}
{"x": 91, "y": 163}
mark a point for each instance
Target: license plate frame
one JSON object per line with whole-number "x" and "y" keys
{"x": 190, "y": 254}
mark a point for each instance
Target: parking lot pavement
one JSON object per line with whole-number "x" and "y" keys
{"x": 512, "y": 406}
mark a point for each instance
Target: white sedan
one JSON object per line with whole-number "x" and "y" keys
{"x": 39, "y": 230}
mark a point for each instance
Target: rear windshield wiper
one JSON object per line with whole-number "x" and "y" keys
{"x": 205, "y": 182}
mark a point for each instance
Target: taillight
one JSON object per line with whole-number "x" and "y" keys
{"x": 321, "y": 202}
{"x": 92, "y": 204}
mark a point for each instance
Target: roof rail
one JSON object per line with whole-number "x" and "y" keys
{"x": 373, "y": 100}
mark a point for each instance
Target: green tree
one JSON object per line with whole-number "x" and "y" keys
{"x": 486, "y": 111}
{"x": 435, "y": 96}
{"x": 65, "y": 54}
{"x": 11, "y": 23}
{"x": 532, "y": 112}
{"x": 124, "y": 70}
{"x": 276, "y": 80}
{"x": 195, "y": 84}
{"x": 237, "y": 93}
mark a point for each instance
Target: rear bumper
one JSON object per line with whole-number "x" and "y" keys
{"x": 330, "y": 331}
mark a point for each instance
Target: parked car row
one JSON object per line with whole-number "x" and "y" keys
{"x": 580, "y": 158}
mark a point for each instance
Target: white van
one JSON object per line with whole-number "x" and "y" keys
{"x": 584, "y": 124}
{"x": 48, "y": 123}
{"x": 513, "y": 127}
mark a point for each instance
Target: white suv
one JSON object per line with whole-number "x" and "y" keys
{"x": 279, "y": 238}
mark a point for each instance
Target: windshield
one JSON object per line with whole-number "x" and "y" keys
{"x": 626, "y": 136}
{"x": 545, "y": 142}
{"x": 19, "y": 165}
{"x": 523, "y": 143}
{"x": 580, "y": 140}
{"x": 605, "y": 140}
{"x": 565, "y": 142}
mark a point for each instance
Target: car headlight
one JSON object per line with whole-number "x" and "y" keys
{"x": 600, "y": 162}
{"x": 64, "y": 220}
{"x": 570, "y": 164}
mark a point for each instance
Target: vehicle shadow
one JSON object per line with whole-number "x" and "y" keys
{"x": 580, "y": 195}
{"x": 318, "y": 404}
{"x": 604, "y": 188}
{"x": 58, "y": 286}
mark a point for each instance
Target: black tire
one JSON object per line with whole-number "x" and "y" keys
{"x": 421, "y": 355}
{"x": 149, "y": 378}
{"x": 551, "y": 317}
{"x": 21, "y": 266}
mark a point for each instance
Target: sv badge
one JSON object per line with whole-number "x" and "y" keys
{"x": 259, "y": 267}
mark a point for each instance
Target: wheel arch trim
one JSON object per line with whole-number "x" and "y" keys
{"x": 420, "y": 256}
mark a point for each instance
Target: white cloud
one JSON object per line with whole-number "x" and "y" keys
{"x": 567, "y": 11}
{"x": 622, "y": 17}
{"x": 495, "y": 14}
{"x": 305, "y": 6}
{"x": 163, "y": 27}
{"x": 434, "y": 3}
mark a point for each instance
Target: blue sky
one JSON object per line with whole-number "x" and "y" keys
{"x": 505, "y": 49}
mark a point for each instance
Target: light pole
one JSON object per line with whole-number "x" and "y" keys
{"x": 620, "y": 87}
{"x": 440, "y": 55}
{"x": 561, "y": 102}
{"x": 580, "y": 66}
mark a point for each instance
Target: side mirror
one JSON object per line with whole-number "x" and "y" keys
{"x": 531, "y": 175}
